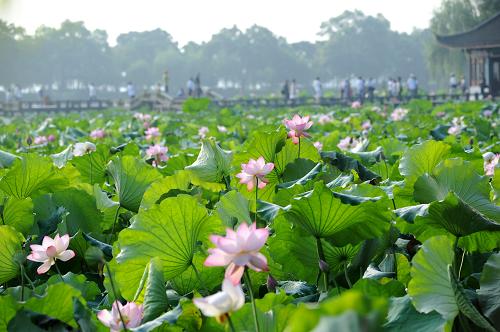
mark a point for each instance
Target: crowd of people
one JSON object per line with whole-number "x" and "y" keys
{"x": 361, "y": 89}
{"x": 351, "y": 89}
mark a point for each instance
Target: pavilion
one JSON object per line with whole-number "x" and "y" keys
{"x": 482, "y": 47}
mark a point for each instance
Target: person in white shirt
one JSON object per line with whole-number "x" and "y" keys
{"x": 412, "y": 85}
{"x": 92, "y": 92}
{"x": 130, "y": 90}
{"x": 190, "y": 87}
{"x": 318, "y": 89}
{"x": 293, "y": 90}
{"x": 453, "y": 84}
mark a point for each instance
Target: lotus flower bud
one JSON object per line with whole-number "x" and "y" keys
{"x": 323, "y": 266}
{"x": 271, "y": 283}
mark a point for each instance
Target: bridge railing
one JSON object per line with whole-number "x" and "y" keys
{"x": 87, "y": 105}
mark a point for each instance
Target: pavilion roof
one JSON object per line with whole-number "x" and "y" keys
{"x": 484, "y": 35}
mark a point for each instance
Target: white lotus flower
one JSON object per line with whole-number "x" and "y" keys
{"x": 230, "y": 299}
{"x": 81, "y": 149}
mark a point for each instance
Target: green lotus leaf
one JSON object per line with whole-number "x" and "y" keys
{"x": 403, "y": 316}
{"x": 489, "y": 292}
{"x": 10, "y": 242}
{"x": 31, "y": 176}
{"x": 92, "y": 166}
{"x": 430, "y": 288}
{"x": 56, "y": 303}
{"x": 132, "y": 178}
{"x": 456, "y": 217}
{"x": 322, "y": 214}
{"x": 169, "y": 231}
{"x": 460, "y": 177}
{"x": 422, "y": 158}
{"x": 213, "y": 164}
{"x": 233, "y": 208}
{"x": 347, "y": 164}
{"x": 180, "y": 182}
{"x": 18, "y": 213}
{"x": 7, "y": 159}
{"x": 8, "y": 309}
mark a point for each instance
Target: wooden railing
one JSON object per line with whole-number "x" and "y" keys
{"x": 175, "y": 104}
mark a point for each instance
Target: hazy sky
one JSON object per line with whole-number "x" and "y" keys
{"x": 197, "y": 20}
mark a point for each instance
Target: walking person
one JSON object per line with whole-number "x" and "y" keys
{"x": 18, "y": 95}
{"x": 8, "y": 96}
{"x": 318, "y": 90}
{"x": 371, "y": 89}
{"x": 463, "y": 85}
{"x": 190, "y": 87}
{"x": 399, "y": 88}
{"x": 92, "y": 92}
{"x": 293, "y": 91}
{"x": 412, "y": 85}
{"x": 361, "y": 89}
{"x": 453, "y": 84}
{"x": 285, "y": 91}
{"x": 130, "y": 90}
{"x": 197, "y": 86}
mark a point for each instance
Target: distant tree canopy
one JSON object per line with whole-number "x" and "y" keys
{"x": 455, "y": 16}
{"x": 352, "y": 44}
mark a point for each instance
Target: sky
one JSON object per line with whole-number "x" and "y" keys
{"x": 198, "y": 20}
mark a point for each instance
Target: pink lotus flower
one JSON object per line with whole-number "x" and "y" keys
{"x": 131, "y": 312}
{"x": 158, "y": 152}
{"x": 457, "y": 126}
{"x": 254, "y": 173}
{"x": 152, "y": 132}
{"x": 347, "y": 143}
{"x": 356, "y": 104}
{"x": 218, "y": 305}
{"x": 51, "y": 138}
{"x": 318, "y": 145}
{"x": 399, "y": 114}
{"x": 367, "y": 125}
{"x": 40, "y": 140}
{"x": 440, "y": 114}
{"x": 239, "y": 249}
{"x": 81, "y": 149}
{"x": 297, "y": 127}
{"x": 490, "y": 163}
{"x": 202, "y": 132}
{"x": 488, "y": 113}
{"x": 97, "y": 134}
{"x": 50, "y": 251}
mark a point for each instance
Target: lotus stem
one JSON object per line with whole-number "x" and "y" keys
{"x": 90, "y": 160}
{"x": 198, "y": 276}
{"x": 248, "y": 282}
{"x": 22, "y": 285}
{"x": 347, "y": 276}
{"x": 230, "y": 323}
{"x": 59, "y": 272}
{"x": 321, "y": 255}
{"x": 299, "y": 148}
{"x": 114, "y": 223}
{"x": 256, "y": 197}
{"x": 114, "y": 294}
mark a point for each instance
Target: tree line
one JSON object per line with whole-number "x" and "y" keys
{"x": 353, "y": 44}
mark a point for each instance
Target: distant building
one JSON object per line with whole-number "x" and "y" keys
{"x": 482, "y": 46}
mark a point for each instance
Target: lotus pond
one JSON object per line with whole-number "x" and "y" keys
{"x": 307, "y": 219}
